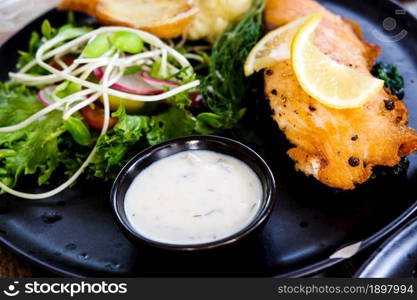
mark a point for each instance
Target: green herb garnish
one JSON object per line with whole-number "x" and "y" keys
{"x": 393, "y": 79}
{"x": 225, "y": 86}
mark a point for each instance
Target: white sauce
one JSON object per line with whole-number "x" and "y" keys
{"x": 193, "y": 197}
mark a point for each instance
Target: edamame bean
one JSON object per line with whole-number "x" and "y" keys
{"x": 127, "y": 41}
{"x": 97, "y": 47}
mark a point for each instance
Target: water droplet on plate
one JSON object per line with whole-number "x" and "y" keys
{"x": 71, "y": 246}
{"x": 113, "y": 266}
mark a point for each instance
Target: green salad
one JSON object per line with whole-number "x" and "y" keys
{"x": 84, "y": 100}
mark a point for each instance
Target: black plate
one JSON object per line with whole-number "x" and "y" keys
{"x": 75, "y": 234}
{"x": 396, "y": 258}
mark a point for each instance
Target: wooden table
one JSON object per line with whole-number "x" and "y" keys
{"x": 10, "y": 266}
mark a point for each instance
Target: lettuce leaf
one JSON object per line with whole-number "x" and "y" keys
{"x": 34, "y": 149}
{"x": 114, "y": 146}
{"x": 174, "y": 123}
{"x": 132, "y": 134}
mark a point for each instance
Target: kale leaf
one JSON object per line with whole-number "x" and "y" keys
{"x": 393, "y": 79}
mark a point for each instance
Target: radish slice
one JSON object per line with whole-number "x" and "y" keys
{"x": 99, "y": 73}
{"x": 196, "y": 99}
{"x": 156, "y": 83}
{"x": 45, "y": 95}
{"x": 133, "y": 84}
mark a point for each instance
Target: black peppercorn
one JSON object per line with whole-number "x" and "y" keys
{"x": 354, "y": 161}
{"x": 389, "y": 104}
{"x": 269, "y": 72}
{"x": 274, "y": 92}
{"x": 355, "y": 138}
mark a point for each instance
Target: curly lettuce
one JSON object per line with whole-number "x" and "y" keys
{"x": 34, "y": 149}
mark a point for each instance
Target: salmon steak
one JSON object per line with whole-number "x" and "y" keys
{"x": 339, "y": 147}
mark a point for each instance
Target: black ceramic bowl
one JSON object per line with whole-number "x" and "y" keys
{"x": 213, "y": 143}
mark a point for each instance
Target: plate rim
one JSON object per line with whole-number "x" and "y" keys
{"x": 324, "y": 264}
{"x": 387, "y": 248}
{"x": 308, "y": 270}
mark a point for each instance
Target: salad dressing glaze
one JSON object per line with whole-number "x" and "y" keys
{"x": 193, "y": 197}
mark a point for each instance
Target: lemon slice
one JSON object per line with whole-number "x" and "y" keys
{"x": 273, "y": 47}
{"x": 324, "y": 79}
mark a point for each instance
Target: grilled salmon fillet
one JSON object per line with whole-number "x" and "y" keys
{"x": 338, "y": 147}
